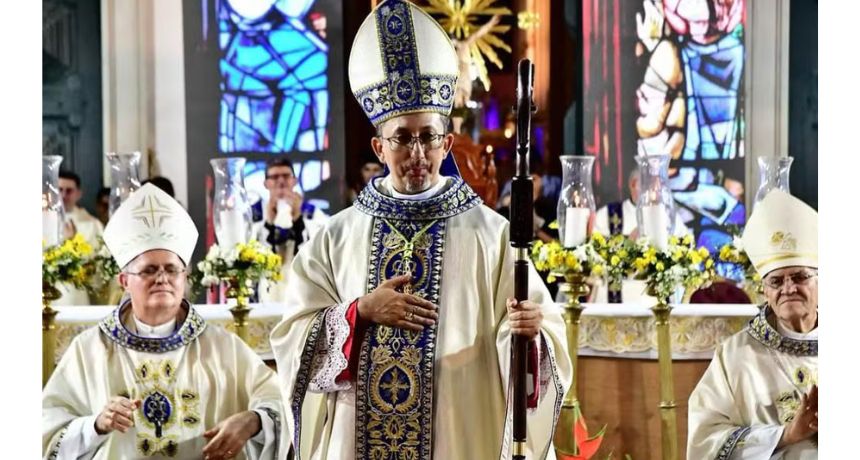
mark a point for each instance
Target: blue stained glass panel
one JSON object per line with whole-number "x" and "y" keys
{"x": 274, "y": 83}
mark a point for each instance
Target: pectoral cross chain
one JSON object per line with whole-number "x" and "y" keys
{"x": 408, "y": 251}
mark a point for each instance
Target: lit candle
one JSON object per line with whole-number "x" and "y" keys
{"x": 232, "y": 228}
{"x": 575, "y": 226}
{"x": 655, "y": 226}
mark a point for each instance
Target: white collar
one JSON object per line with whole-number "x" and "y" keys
{"x": 158, "y": 332}
{"x": 788, "y": 333}
{"x": 433, "y": 190}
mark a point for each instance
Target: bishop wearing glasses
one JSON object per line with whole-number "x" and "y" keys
{"x": 759, "y": 397}
{"x": 397, "y": 333}
{"x": 152, "y": 379}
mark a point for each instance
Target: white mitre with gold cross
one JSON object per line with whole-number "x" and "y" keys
{"x": 782, "y": 232}
{"x": 150, "y": 219}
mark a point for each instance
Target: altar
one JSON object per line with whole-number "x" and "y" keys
{"x": 618, "y": 376}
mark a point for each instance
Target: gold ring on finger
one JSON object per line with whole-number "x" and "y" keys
{"x": 409, "y": 316}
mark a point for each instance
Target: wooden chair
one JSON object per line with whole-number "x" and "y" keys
{"x": 477, "y": 167}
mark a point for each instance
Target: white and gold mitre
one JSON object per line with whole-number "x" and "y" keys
{"x": 402, "y": 62}
{"x": 782, "y": 232}
{"x": 150, "y": 219}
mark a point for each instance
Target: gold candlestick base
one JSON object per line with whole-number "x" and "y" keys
{"x": 574, "y": 286}
{"x": 237, "y": 290}
{"x": 668, "y": 417}
{"x": 240, "y": 319}
{"x": 49, "y": 332}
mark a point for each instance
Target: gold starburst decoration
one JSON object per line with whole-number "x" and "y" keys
{"x": 460, "y": 19}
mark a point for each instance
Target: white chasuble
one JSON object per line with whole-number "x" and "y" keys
{"x": 441, "y": 393}
{"x": 188, "y": 382}
{"x": 750, "y": 392}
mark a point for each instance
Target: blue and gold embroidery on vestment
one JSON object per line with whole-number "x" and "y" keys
{"x": 735, "y": 437}
{"x": 113, "y": 328}
{"x": 394, "y": 387}
{"x": 764, "y": 332}
{"x": 405, "y": 89}
{"x": 457, "y": 198}
{"x": 303, "y": 378}
{"x": 163, "y": 407}
{"x": 394, "y": 390}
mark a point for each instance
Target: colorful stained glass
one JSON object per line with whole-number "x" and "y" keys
{"x": 691, "y": 106}
{"x": 274, "y": 83}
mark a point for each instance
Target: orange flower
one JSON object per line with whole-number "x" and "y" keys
{"x": 585, "y": 447}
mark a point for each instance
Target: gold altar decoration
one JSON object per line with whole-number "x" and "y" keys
{"x": 574, "y": 287}
{"x": 458, "y": 18}
{"x": 620, "y": 334}
{"x": 528, "y": 20}
{"x": 574, "y": 266}
{"x": 63, "y": 263}
{"x": 628, "y": 334}
{"x": 240, "y": 268}
{"x": 679, "y": 264}
{"x": 668, "y": 417}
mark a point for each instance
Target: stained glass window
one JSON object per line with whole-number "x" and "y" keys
{"x": 691, "y": 106}
{"x": 274, "y": 86}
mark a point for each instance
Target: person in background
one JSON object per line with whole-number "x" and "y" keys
{"x": 163, "y": 183}
{"x": 369, "y": 170}
{"x": 282, "y": 226}
{"x": 103, "y": 205}
{"x": 78, "y": 220}
{"x": 620, "y": 218}
{"x": 547, "y": 191}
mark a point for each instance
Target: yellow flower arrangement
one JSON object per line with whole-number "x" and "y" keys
{"x": 66, "y": 263}
{"x": 734, "y": 253}
{"x": 102, "y": 266}
{"x": 552, "y": 257}
{"x": 617, "y": 250}
{"x": 240, "y": 267}
{"x": 617, "y": 257}
{"x": 680, "y": 264}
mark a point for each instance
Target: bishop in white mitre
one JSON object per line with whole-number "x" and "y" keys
{"x": 153, "y": 379}
{"x": 396, "y": 336}
{"x": 759, "y": 397}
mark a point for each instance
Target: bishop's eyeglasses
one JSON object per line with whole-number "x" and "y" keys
{"x": 797, "y": 279}
{"x": 406, "y": 142}
{"x": 152, "y": 272}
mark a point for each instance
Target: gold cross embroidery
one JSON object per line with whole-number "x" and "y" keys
{"x": 394, "y": 387}
{"x": 148, "y": 214}
{"x": 408, "y": 250}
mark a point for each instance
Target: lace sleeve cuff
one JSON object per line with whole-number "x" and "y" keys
{"x": 329, "y": 360}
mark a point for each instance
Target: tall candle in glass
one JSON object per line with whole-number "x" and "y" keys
{"x": 231, "y": 208}
{"x": 655, "y": 207}
{"x": 576, "y": 205}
